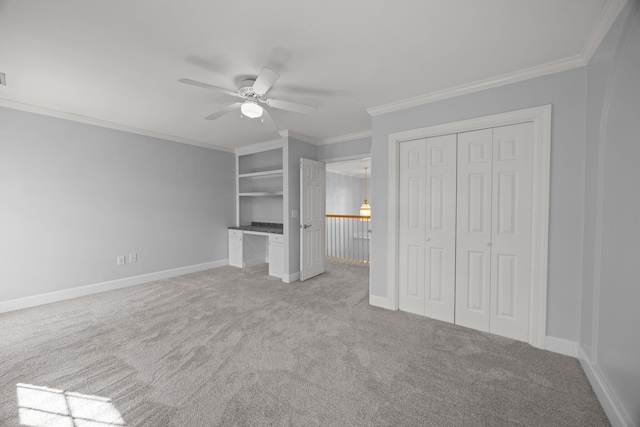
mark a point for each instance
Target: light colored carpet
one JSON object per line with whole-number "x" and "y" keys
{"x": 237, "y": 347}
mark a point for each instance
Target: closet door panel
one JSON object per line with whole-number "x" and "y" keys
{"x": 511, "y": 230}
{"x": 440, "y": 242}
{"x": 473, "y": 251}
{"x": 412, "y": 226}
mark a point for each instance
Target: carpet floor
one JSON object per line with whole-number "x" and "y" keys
{"x": 235, "y": 347}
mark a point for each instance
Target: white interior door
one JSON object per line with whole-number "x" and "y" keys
{"x": 312, "y": 216}
{"x": 412, "y": 226}
{"x": 511, "y": 230}
{"x": 473, "y": 252}
{"x": 440, "y": 247}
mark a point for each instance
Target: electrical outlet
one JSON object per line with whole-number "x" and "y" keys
{"x": 121, "y": 260}
{"x": 133, "y": 257}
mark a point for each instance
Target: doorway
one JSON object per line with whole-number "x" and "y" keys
{"x": 348, "y": 225}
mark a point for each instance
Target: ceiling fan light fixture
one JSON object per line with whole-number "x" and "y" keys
{"x": 251, "y": 109}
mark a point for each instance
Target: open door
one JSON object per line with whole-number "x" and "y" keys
{"x": 312, "y": 222}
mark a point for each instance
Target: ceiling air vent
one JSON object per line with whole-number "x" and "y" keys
{"x": 3, "y": 79}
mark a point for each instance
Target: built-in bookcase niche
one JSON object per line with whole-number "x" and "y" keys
{"x": 260, "y": 187}
{"x": 263, "y": 161}
{"x": 261, "y": 209}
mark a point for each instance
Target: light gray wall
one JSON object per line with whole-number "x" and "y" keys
{"x": 566, "y": 91}
{"x": 296, "y": 150}
{"x": 75, "y": 196}
{"x": 339, "y": 150}
{"x": 610, "y": 315}
{"x": 597, "y": 78}
{"x": 345, "y": 194}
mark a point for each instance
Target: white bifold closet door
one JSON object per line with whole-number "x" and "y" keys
{"x": 427, "y": 227}
{"x": 465, "y": 228}
{"x": 473, "y": 244}
{"x": 511, "y": 230}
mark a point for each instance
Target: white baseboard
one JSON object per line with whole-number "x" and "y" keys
{"x": 607, "y": 397}
{"x": 562, "y": 346}
{"x": 32, "y": 301}
{"x": 382, "y": 302}
{"x": 288, "y": 278}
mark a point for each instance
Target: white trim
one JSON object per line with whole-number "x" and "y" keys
{"x": 541, "y": 118}
{"x": 528, "y": 73}
{"x": 105, "y": 124}
{"x": 607, "y": 397}
{"x": 345, "y": 138}
{"x": 609, "y": 14}
{"x": 381, "y": 302}
{"x": 261, "y": 146}
{"x": 32, "y": 301}
{"x": 288, "y": 133}
{"x": 288, "y": 278}
{"x": 561, "y": 346}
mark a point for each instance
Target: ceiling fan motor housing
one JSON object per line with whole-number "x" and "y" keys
{"x": 246, "y": 89}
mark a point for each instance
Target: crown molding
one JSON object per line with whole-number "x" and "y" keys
{"x": 105, "y": 124}
{"x": 609, "y": 14}
{"x": 288, "y": 133}
{"x": 504, "y": 79}
{"x": 607, "y": 17}
{"x": 345, "y": 138}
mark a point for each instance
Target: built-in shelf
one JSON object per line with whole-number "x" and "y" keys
{"x": 262, "y": 193}
{"x": 261, "y": 174}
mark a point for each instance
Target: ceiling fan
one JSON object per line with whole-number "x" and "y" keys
{"x": 254, "y": 93}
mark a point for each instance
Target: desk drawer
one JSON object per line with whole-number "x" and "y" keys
{"x": 235, "y": 233}
{"x": 276, "y": 238}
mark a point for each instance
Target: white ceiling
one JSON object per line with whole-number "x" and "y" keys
{"x": 117, "y": 62}
{"x": 353, "y": 168}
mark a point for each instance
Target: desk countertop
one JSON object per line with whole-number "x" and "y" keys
{"x": 261, "y": 227}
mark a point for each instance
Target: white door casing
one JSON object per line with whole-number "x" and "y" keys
{"x": 312, "y": 218}
{"x": 511, "y": 230}
{"x": 473, "y": 252}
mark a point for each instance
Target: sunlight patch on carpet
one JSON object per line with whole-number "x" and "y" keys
{"x": 43, "y": 406}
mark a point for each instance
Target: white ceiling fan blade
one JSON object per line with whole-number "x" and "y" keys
{"x": 292, "y": 106}
{"x": 208, "y": 86}
{"x": 223, "y": 111}
{"x": 265, "y": 80}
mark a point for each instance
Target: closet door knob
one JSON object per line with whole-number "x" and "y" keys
{"x": 428, "y": 239}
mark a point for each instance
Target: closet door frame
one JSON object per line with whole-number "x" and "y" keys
{"x": 541, "y": 119}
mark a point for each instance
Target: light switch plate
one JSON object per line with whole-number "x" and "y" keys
{"x": 294, "y": 214}
{"x": 120, "y": 260}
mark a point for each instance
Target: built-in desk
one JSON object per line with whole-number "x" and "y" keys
{"x": 254, "y": 244}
